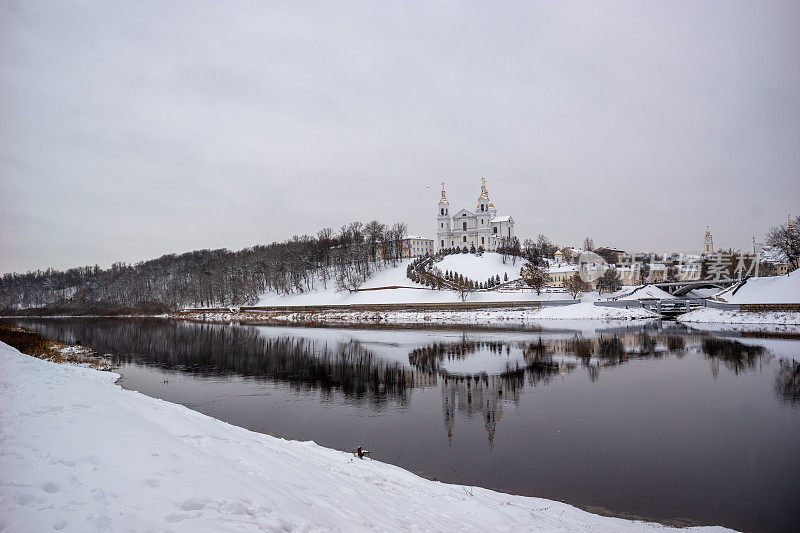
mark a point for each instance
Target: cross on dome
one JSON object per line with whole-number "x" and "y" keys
{"x": 484, "y": 194}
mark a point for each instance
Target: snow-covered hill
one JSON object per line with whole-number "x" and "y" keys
{"x": 480, "y": 268}
{"x": 769, "y": 290}
{"x": 466, "y": 264}
{"x": 81, "y": 454}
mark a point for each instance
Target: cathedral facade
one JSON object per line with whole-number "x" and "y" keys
{"x": 483, "y": 227}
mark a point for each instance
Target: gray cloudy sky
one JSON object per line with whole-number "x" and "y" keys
{"x": 133, "y": 129}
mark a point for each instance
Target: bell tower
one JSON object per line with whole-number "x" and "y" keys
{"x": 443, "y": 223}
{"x": 483, "y": 200}
{"x": 708, "y": 243}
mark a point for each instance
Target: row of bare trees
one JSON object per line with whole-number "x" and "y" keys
{"x": 344, "y": 258}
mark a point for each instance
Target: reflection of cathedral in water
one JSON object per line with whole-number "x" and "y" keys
{"x": 471, "y": 395}
{"x": 482, "y": 394}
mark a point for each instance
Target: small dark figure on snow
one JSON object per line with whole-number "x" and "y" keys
{"x": 361, "y": 453}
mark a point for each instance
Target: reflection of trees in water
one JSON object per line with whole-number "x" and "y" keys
{"x": 580, "y": 347}
{"x": 787, "y": 381}
{"x": 429, "y": 358}
{"x": 211, "y": 349}
{"x": 676, "y": 344}
{"x": 535, "y": 351}
{"x": 610, "y": 350}
{"x": 647, "y": 346}
{"x": 615, "y": 348}
{"x": 736, "y": 356}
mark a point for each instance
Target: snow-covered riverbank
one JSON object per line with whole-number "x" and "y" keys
{"x": 710, "y": 319}
{"x": 580, "y": 311}
{"x": 81, "y": 454}
{"x": 722, "y": 316}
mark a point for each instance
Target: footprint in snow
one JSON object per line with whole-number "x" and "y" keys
{"x": 192, "y": 505}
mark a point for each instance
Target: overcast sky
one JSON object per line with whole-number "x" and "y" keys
{"x": 133, "y": 129}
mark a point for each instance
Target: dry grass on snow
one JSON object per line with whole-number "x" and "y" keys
{"x": 35, "y": 345}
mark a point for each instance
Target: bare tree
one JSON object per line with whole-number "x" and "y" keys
{"x": 400, "y": 230}
{"x": 576, "y": 286}
{"x": 463, "y": 287}
{"x": 374, "y": 232}
{"x": 356, "y": 232}
{"x": 545, "y": 247}
{"x": 535, "y": 276}
{"x": 398, "y": 233}
{"x": 786, "y": 240}
{"x": 503, "y": 249}
{"x": 588, "y": 244}
{"x": 609, "y": 281}
{"x": 528, "y": 246}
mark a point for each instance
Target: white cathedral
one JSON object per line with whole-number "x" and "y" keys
{"x": 465, "y": 228}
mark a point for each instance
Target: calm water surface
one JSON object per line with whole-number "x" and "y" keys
{"x": 657, "y": 421}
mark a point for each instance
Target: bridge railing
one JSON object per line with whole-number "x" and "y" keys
{"x": 667, "y": 304}
{"x": 723, "y": 305}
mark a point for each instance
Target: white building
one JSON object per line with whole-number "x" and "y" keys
{"x": 465, "y": 228}
{"x": 410, "y": 246}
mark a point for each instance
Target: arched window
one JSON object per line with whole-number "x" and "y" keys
{"x": 465, "y": 238}
{"x": 443, "y": 210}
{"x": 464, "y": 226}
{"x": 483, "y": 207}
{"x": 443, "y": 244}
{"x": 481, "y": 240}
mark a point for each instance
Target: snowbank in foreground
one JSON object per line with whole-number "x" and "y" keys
{"x": 711, "y": 315}
{"x": 81, "y": 454}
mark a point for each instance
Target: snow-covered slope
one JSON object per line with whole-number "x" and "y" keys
{"x": 638, "y": 293}
{"x": 480, "y": 268}
{"x": 412, "y": 292}
{"x": 722, "y": 316}
{"x": 770, "y": 290}
{"x": 81, "y": 454}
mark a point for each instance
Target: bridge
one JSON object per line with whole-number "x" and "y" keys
{"x": 681, "y": 288}
{"x": 666, "y": 307}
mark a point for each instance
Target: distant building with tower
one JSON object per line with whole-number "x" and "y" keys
{"x": 465, "y": 229}
{"x": 708, "y": 243}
